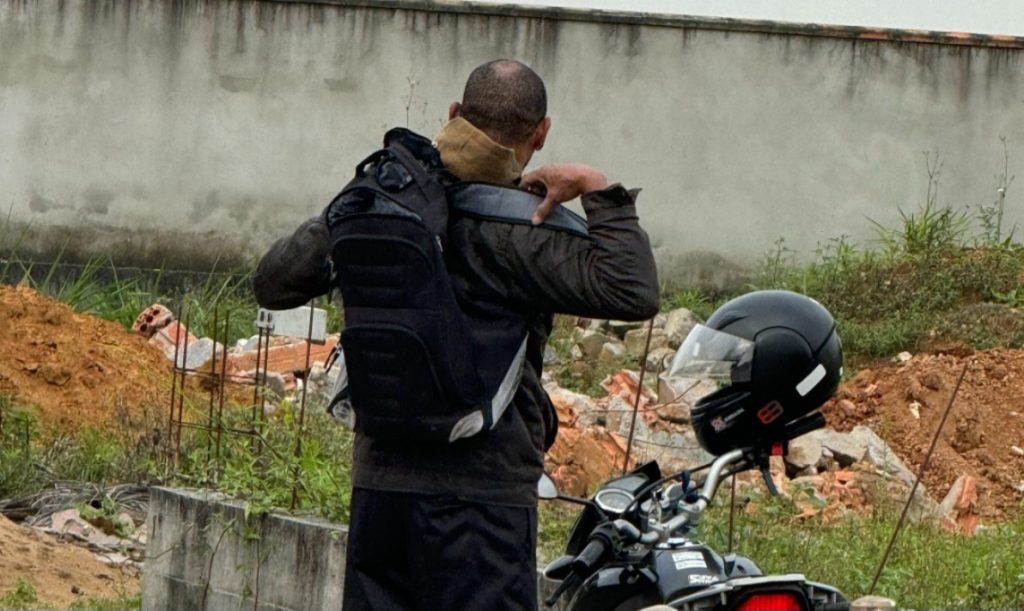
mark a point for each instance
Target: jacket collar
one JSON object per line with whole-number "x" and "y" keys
{"x": 471, "y": 155}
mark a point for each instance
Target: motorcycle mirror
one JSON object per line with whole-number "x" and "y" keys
{"x": 546, "y": 487}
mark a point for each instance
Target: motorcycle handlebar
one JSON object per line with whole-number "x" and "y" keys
{"x": 589, "y": 557}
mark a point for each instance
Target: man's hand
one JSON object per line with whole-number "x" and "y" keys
{"x": 561, "y": 183}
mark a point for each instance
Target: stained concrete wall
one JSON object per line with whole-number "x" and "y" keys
{"x": 187, "y": 130}
{"x": 204, "y": 555}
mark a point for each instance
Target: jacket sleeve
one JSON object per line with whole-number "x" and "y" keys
{"x": 608, "y": 274}
{"x": 295, "y": 269}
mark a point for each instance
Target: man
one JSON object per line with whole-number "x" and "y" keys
{"x": 454, "y": 526}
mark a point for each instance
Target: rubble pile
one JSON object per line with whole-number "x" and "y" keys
{"x": 283, "y": 358}
{"x": 850, "y": 467}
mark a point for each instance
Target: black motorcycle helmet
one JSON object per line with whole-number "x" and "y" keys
{"x": 777, "y": 357}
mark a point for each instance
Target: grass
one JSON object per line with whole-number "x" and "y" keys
{"x": 21, "y": 596}
{"x": 32, "y": 459}
{"x": 929, "y": 569}
{"x": 940, "y": 277}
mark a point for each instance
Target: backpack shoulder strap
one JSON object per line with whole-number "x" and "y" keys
{"x": 510, "y": 205}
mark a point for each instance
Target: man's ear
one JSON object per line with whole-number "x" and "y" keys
{"x": 540, "y": 135}
{"x": 454, "y": 110}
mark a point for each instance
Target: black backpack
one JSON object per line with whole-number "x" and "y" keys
{"x": 408, "y": 349}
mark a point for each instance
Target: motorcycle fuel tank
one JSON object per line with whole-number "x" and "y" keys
{"x": 672, "y": 570}
{"x": 684, "y": 568}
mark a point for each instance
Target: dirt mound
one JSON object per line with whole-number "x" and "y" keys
{"x": 77, "y": 369}
{"x": 57, "y": 570}
{"x": 904, "y": 403}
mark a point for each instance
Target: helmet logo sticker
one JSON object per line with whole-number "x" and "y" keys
{"x": 807, "y": 384}
{"x": 723, "y": 422}
{"x": 770, "y": 412}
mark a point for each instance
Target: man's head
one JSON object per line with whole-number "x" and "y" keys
{"x": 507, "y": 101}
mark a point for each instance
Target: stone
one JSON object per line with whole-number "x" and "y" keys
{"x": 619, "y": 328}
{"x": 591, "y": 343}
{"x": 903, "y": 357}
{"x": 1017, "y": 451}
{"x": 915, "y": 410}
{"x": 682, "y": 390}
{"x": 678, "y": 324}
{"x": 199, "y": 354}
{"x": 611, "y": 353}
{"x": 881, "y": 455}
{"x": 576, "y": 352}
{"x": 152, "y": 319}
{"x": 276, "y": 383}
{"x": 804, "y": 453}
{"x": 844, "y": 448}
{"x": 636, "y": 341}
{"x": 550, "y": 356}
{"x": 249, "y": 345}
{"x": 659, "y": 359}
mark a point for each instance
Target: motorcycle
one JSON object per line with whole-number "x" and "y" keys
{"x": 631, "y": 547}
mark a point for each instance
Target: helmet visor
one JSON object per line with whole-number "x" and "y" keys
{"x": 707, "y": 354}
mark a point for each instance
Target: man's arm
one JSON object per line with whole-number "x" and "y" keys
{"x": 295, "y": 269}
{"x": 609, "y": 274}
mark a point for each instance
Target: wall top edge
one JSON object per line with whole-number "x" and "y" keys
{"x": 867, "y": 34}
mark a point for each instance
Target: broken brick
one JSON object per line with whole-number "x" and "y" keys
{"x": 286, "y": 358}
{"x": 152, "y": 319}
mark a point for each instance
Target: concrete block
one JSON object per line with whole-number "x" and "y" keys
{"x": 202, "y": 555}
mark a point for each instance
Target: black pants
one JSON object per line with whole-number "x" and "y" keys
{"x": 438, "y": 553}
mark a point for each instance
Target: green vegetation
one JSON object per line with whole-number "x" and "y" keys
{"x": 929, "y": 568}
{"x": 22, "y": 596}
{"x": 32, "y": 459}
{"x": 941, "y": 277}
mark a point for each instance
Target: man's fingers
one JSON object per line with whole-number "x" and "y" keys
{"x": 544, "y": 209}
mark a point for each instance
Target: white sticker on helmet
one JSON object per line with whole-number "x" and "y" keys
{"x": 807, "y": 384}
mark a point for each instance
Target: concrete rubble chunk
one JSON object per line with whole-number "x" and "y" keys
{"x": 685, "y": 391}
{"x": 199, "y": 353}
{"x": 846, "y": 449}
{"x": 591, "y": 343}
{"x": 678, "y": 324}
{"x": 611, "y": 353}
{"x": 804, "y": 453}
{"x": 881, "y": 455}
{"x": 636, "y": 341}
{"x": 659, "y": 359}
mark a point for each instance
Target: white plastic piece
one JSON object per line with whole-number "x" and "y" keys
{"x": 294, "y": 323}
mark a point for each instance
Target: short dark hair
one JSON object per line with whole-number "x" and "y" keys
{"x": 506, "y": 99}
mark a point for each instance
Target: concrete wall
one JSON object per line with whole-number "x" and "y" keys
{"x": 203, "y": 555}
{"x": 187, "y": 130}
